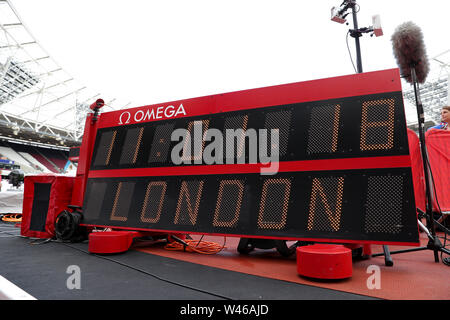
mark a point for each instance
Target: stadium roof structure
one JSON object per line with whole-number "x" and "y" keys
{"x": 39, "y": 100}
{"x": 434, "y": 93}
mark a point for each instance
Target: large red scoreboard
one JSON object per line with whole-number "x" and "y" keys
{"x": 343, "y": 175}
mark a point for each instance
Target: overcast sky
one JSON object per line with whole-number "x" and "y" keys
{"x": 157, "y": 51}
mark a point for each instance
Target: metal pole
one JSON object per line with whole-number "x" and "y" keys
{"x": 421, "y": 120}
{"x": 357, "y": 34}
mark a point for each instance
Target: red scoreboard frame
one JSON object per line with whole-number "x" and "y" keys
{"x": 344, "y": 173}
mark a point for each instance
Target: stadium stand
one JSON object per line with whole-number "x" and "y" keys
{"x": 34, "y": 159}
{"x": 38, "y": 165}
{"x": 48, "y": 165}
{"x": 56, "y": 157}
{"x": 32, "y": 154}
{"x": 10, "y": 154}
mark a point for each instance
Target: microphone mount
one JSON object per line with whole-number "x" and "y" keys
{"x": 359, "y": 32}
{"x": 356, "y": 33}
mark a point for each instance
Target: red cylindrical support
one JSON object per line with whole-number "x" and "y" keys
{"x": 367, "y": 250}
{"x": 324, "y": 261}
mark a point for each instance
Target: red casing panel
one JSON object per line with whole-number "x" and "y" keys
{"x": 90, "y": 131}
{"x": 60, "y": 197}
{"x": 308, "y": 91}
{"x": 315, "y": 90}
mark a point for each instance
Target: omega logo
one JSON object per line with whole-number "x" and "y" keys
{"x": 127, "y": 118}
{"x": 151, "y": 114}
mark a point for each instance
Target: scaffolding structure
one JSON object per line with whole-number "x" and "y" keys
{"x": 435, "y": 91}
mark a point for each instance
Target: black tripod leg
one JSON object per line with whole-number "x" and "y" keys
{"x": 387, "y": 257}
{"x": 436, "y": 256}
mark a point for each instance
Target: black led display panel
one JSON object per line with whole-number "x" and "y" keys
{"x": 342, "y": 128}
{"x": 350, "y": 205}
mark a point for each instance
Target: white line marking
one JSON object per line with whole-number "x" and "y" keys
{"x": 9, "y": 291}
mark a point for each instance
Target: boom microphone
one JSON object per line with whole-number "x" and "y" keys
{"x": 409, "y": 51}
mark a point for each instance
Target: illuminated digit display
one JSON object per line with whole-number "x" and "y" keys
{"x": 377, "y": 125}
{"x": 153, "y": 202}
{"x": 328, "y": 218}
{"x": 122, "y": 201}
{"x": 188, "y": 202}
{"x": 131, "y": 146}
{"x": 274, "y": 204}
{"x": 103, "y": 155}
{"x": 342, "y": 171}
{"x": 228, "y": 205}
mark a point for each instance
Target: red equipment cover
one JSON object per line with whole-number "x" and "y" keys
{"x": 417, "y": 170}
{"x": 438, "y": 146}
{"x": 45, "y": 196}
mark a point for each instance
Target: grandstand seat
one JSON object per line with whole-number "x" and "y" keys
{"x": 34, "y": 159}
{"x": 10, "y": 154}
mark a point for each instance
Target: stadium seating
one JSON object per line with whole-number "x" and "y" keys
{"x": 55, "y": 156}
{"x": 17, "y": 158}
{"x": 33, "y": 159}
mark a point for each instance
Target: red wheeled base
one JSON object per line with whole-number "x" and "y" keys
{"x": 111, "y": 241}
{"x": 119, "y": 241}
{"x": 324, "y": 261}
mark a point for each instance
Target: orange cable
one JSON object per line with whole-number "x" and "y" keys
{"x": 203, "y": 247}
{"x": 12, "y": 217}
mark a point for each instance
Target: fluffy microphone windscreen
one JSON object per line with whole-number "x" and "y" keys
{"x": 409, "y": 51}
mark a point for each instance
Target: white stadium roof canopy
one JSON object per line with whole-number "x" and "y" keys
{"x": 39, "y": 100}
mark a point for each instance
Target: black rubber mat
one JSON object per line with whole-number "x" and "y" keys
{"x": 41, "y": 270}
